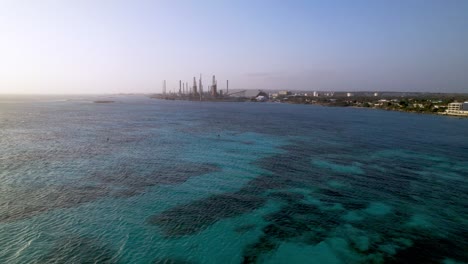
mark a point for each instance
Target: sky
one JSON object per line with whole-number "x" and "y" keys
{"x": 117, "y": 46}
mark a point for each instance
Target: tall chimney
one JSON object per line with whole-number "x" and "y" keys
{"x": 194, "y": 85}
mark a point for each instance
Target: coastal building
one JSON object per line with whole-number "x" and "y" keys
{"x": 349, "y": 94}
{"x": 457, "y": 109}
{"x": 315, "y": 94}
{"x": 454, "y": 107}
{"x": 284, "y": 93}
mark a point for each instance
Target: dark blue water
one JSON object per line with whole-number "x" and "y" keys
{"x": 149, "y": 181}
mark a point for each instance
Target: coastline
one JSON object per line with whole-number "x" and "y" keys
{"x": 324, "y": 104}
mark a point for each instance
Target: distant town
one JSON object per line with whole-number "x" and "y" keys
{"x": 454, "y": 104}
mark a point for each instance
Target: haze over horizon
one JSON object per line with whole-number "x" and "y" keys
{"x": 132, "y": 46}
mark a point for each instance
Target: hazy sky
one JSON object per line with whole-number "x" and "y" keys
{"x": 108, "y": 46}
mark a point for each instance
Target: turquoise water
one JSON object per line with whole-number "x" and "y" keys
{"x": 149, "y": 181}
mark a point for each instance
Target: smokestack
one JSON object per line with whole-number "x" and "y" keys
{"x": 227, "y": 87}
{"x": 200, "y": 86}
{"x": 180, "y": 86}
{"x": 214, "y": 93}
{"x": 194, "y": 85}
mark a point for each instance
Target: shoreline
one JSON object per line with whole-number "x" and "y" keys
{"x": 238, "y": 100}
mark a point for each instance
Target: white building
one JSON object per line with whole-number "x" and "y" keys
{"x": 456, "y": 109}
{"x": 349, "y": 94}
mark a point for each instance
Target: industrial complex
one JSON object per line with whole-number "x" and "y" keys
{"x": 197, "y": 92}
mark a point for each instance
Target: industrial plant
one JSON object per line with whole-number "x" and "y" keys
{"x": 197, "y": 92}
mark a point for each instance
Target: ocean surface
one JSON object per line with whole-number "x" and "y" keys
{"x": 150, "y": 181}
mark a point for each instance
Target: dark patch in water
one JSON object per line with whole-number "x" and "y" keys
{"x": 286, "y": 229}
{"x": 126, "y": 193}
{"x": 125, "y": 182}
{"x": 289, "y": 170}
{"x": 28, "y": 202}
{"x": 79, "y": 250}
{"x": 348, "y": 200}
{"x": 353, "y": 204}
{"x": 251, "y": 253}
{"x": 289, "y": 197}
{"x": 298, "y": 218}
{"x": 431, "y": 250}
{"x": 191, "y": 218}
{"x": 294, "y": 222}
{"x": 264, "y": 183}
{"x": 162, "y": 174}
{"x": 172, "y": 261}
{"x": 333, "y": 193}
